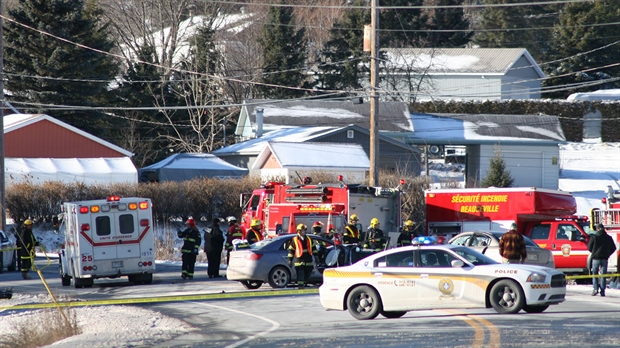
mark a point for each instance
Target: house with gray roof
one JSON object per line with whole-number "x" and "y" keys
{"x": 393, "y": 155}
{"x": 260, "y": 116}
{"x": 462, "y": 73}
{"x": 529, "y": 144}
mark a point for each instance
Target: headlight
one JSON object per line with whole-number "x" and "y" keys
{"x": 536, "y": 278}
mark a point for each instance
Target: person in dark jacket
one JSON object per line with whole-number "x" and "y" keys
{"x": 407, "y": 234}
{"x": 214, "y": 243}
{"x": 26, "y": 243}
{"x": 375, "y": 238}
{"x": 254, "y": 234}
{"x": 301, "y": 251}
{"x": 234, "y": 232}
{"x": 351, "y": 232}
{"x": 512, "y": 246}
{"x": 601, "y": 246}
{"x": 189, "y": 250}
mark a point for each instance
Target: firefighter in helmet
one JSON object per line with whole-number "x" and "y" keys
{"x": 351, "y": 232}
{"x": 26, "y": 244}
{"x": 316, "y": 228}
{"x": 375, "y": 238}
{"x": 407, "y": 234}
{"x": 234, "y": 232}
{"x": 189, "y": 250}
{"x": 255, "y": 233}
{"x": 300, "y": 254}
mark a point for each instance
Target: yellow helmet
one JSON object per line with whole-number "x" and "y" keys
{"x": 353, "y": 218}
{"x": 28, "y": 222}
{"x": 409, "y": 223}
{"x": 256, "y": 223}
{"x": 374, "y": 222}
{"x": 301, "y": 227}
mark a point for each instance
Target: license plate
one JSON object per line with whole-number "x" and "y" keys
{"x": 532, "y": 257}
{"x": 117, "y": 264}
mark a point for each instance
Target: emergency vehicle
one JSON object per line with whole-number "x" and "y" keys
{"x": 282, "y": 207}
{"x": 107, "y": 238}
{"x": 610, "y": 218}
{"x": 546, "y": 216}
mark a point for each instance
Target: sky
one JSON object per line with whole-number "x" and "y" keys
{"x": 585, "y": 170}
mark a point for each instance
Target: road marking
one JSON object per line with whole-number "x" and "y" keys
{"x": 479, "y": 333}
{"x": 494, "y": 336}
{"x": 274, "y": 324}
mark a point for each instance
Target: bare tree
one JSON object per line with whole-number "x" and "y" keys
{"x": 404, "y": 75}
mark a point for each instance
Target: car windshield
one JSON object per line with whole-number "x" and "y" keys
{"x": 474, "y": 257}
{"x": 263, "y": 243}
{"x": 528, "y": 241}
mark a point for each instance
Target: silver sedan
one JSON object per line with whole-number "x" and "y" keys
{"x": 487, "y": 243}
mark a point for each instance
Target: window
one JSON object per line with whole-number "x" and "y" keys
{"x": 541, "y": 231}
{"x": 436, "y": 258}
{"x": 561, "y": 233}
{"x": 126, "y": 224}
{"x": 481, "y": 240}
{"x": 401, "y": 259}
{"x": 350, "y": 134}
{"x": 103, "y": 227}
{"x": 462, "y": 240}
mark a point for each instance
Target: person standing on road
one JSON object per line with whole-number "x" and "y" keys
{"x": 234, "y": 232}
{"x": 351, "y": 232}
{"x": 301, "y": 253}
{"x": 375, "y": 238}
{"x": 189, "y": 250}
{"x": 317, "y": 228}
{"x": 255, "y": 233}
{"x": 214, "y": 243}
{"x": 601, "y": 246}
{"x": 406, "y": 235}
{"x": 512, "y": 246}
{"x": 26, "y": 244}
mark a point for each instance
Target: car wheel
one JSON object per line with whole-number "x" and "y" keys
{"x": 279, "y": 277}
{"x": 64, "y": 279}
{"x": 535, "y": 309}
{"x": 392, "y": 315}
{"x": 507, "y": 297}
{"x": 251, "y": 284}
{"x": 13, "y": 266}
{"x": 364, "y": 303}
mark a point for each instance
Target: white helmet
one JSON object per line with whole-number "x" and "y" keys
{"x": 231, "y": 219}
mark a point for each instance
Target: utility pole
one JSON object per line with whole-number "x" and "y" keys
{"x": 2, "y": 103}
{"x": 374, "y": 95}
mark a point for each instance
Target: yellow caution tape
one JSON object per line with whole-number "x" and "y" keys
{"x": 137, "y": 300}
{"x": 594, "y": 276}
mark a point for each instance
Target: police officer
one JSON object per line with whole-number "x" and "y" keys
{"x": 375, "y": 238}
{"x": 255, "y": 234}
{"x": 351, "y": 232}
{"x": 301, "y": 252}
{"x": 26, "y": 245}
{"x": 189, "y": 250}
{"x": 234, "y": 232}
{"x": 407, "y": 234}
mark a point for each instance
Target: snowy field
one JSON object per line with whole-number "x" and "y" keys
{"x": 585, "y": 170}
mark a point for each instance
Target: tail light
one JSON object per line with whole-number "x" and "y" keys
{"x": 145, "y": 263}
{"x": 253, "y": 256}
{"x": 144, "y": 222}
{"x": 85, "y": 227}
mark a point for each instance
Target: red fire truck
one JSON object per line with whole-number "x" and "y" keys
{"x": 282, "y": 206}
{"x": 546, "y": 216}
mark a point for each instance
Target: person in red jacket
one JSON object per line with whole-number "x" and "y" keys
{"x": 234, "y": 232}
{"x": 512, "y": 246}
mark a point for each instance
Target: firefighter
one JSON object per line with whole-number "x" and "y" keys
{"x": 26, "y": 245}
{"x": 301, "y": 252}
{"x": 407, "y": 234}
{"x": 189, "y": 250}
{"x": 255, "y": 233}
{"x": 375, "y": 238}
{"x": 351, "y": 232}
{"x": 234, "y": 232}
{"x": 316, "y": 228}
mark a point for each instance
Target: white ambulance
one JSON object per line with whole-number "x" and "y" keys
{"x": 107, "y": 238}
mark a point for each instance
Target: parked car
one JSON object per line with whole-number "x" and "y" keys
{"x": 487, "y": 243}
{"x": 438, "y": 276}
{"x": 8, "y": 254}
{"x": 267, "y": 261}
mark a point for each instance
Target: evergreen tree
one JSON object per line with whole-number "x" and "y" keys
{"x": 497, "y": 175}
{"x": 448, "y": 19}
{"x": 42, "y": 69}
{"x": 517, "y": 26}
{"x": 400, "y": 27}
{"x": 284, "y": 54}
{"x": 577, "y": 32}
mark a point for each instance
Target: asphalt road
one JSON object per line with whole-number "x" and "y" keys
{"x": 301, "y": 321}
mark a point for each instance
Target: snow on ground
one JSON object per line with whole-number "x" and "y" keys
{"x": 585, "y": 170}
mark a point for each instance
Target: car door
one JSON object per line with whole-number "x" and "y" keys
{"x": 440, "y": 284}
{"x": 396, "y": 278}
{"x": 569, "y": 247}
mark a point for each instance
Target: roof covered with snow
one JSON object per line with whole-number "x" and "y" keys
{"x": 460, "y": 60}
{"x": 466, "y": 129}
{"x": 187, "y": 166}
{"x": 314, "y": 155}
{"x": 602, "y": 94}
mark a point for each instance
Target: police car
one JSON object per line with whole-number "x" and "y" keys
{"x": 433, "y": 276}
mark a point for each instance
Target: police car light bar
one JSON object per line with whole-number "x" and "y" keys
{"x": 425, "y": 240}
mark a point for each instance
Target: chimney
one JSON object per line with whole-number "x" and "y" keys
{"x": 259, "y": 122}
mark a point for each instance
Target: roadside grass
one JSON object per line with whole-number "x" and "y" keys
{"x": 41, "y": 328}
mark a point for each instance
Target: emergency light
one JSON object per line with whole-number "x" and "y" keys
{"x": 425, "y": 240}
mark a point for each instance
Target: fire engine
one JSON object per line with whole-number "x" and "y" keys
{"x": 546, "y": 216}
{"x": 281, "y": 206}
{"x": 107, "y": 238}
{"x": 610, "y": 218}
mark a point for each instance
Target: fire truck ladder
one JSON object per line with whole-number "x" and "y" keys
{"x": 610, "y": 218}
{"x": 307, "y": 195}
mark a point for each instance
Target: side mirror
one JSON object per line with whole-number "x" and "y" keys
{"x": 457, "y": 263}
